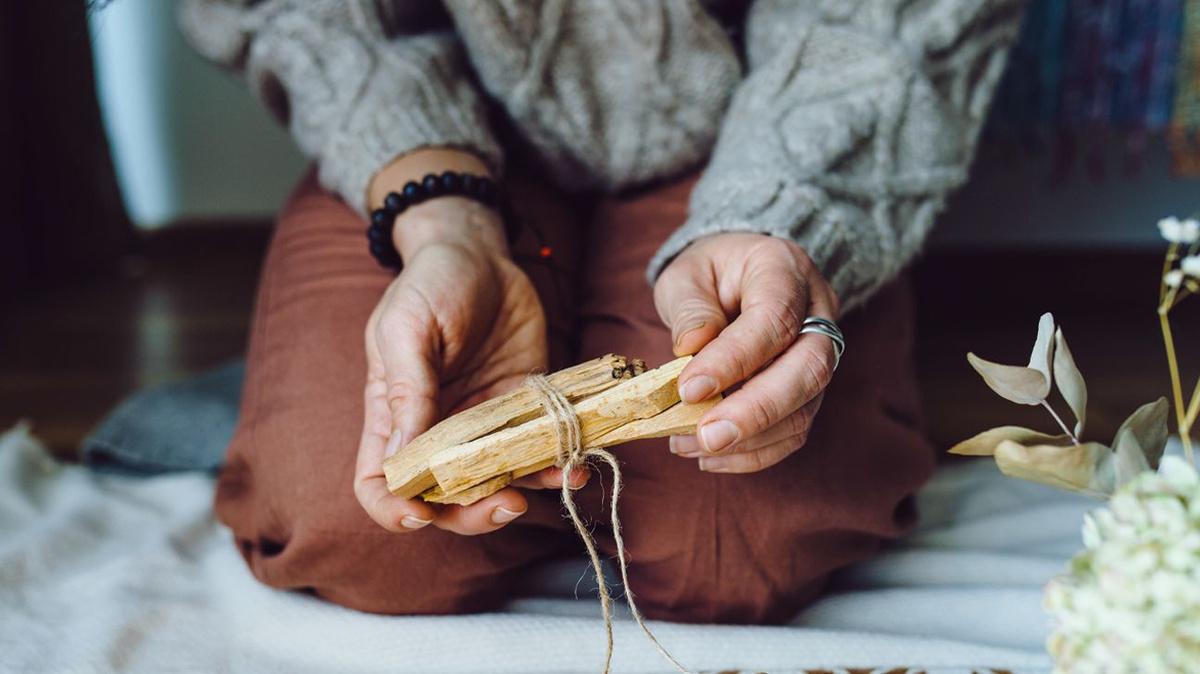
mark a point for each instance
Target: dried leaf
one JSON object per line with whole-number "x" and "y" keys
{"x": 1043, "y": 349}
{"x": 985, "y": 443}
{"x": 1141, "y": 440}
{"x": 1077, "y": 468}
{"x": 1022, "y": 385}
{"x": 1070, "y": 381}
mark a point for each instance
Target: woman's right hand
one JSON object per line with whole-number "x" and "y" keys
{"x": 459, "y": 325}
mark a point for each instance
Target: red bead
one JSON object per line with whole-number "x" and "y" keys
{"x": 546, "y": 252}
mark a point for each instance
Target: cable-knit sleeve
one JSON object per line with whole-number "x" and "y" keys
{"x": 854, "y": 123}
{"x": 354, "y": 89}
{"x": 611, "y": 93}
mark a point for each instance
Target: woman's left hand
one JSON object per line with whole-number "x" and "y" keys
{"x": 738, "y": 301}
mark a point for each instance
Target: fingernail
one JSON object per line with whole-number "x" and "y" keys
{"x": 698, "y": 389}
{"x": 394, "y": 444}
{"x": 504, "y": 515}
{"x": 686, "y": 446}
{"x": 718, "y": 435}
{"x": 414, "y": 523}
{"x": 679, "y": 339}
{"x": 671, "y": 445}
{"x": 713, "y": 464}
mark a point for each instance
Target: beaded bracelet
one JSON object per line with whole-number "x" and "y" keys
{"x": 448, "y": 184}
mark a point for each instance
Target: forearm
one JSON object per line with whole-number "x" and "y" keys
{"x": 850, "y": 131}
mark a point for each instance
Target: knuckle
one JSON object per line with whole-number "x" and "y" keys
{"x": 761, "y": 412}
{"x": 752, "y": 462}
{"x": 782, "y": 320}
{"x": 819, "y": 366}
{"x": 691, "y": 308}
{"x": 799, "y": 422}
{"x": 401, "y": 392}
{"x": 734, "y": 362}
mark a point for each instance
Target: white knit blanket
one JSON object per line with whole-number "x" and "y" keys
{"x": 102, "y": 573}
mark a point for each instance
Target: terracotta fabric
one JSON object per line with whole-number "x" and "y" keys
{"x": 703, "y": 547}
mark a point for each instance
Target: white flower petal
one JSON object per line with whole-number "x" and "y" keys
{"x": 1173, "y": 278}
{"x": 1128, "y": 601}
{"x": 1190, "y": 265}
{"x": 1179, "y": 231}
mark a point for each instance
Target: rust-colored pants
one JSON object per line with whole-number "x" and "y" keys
{"x": 703, "y": 547}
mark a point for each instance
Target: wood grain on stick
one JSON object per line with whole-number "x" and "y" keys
{"x": 408, "y": 471}
{"x": 533, "y": 445}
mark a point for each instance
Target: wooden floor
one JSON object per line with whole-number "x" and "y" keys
{"x": 68, "y": 355}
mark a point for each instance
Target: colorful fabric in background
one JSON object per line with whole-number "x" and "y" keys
{"x": 1086, "y": 71}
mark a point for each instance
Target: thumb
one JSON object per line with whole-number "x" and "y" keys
{"x": 687, "y": 302}
{"x": 411, "y": 373}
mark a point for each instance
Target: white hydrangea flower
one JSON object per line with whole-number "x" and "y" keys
{"x": 1179, "y": 231}
{"x": 1191, "y": 265}
{"x": 1130, "y": 601}
{"x": 1173, "y": 278}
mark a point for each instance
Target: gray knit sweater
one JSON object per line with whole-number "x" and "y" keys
{"x": 840, "y": 124}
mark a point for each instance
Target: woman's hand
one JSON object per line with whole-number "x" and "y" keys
{"x": 459, "y": 325}
{"x": 766, "y": 286}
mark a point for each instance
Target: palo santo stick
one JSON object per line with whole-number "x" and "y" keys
{"x": 679, "y": 419}
{"x": 408, "y": 470}
{"x": 515, "y": 450}
{"x": 470, "y": 494}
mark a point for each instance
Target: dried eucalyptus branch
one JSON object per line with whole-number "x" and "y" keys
{"x": 1178, "y": 282}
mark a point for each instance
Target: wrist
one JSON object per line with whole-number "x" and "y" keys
{"x": 449, "y": 220}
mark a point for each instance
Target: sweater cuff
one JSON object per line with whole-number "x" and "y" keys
{"x": 762, "y": 203}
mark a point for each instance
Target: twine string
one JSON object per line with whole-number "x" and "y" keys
{"x": 572, "y": 454}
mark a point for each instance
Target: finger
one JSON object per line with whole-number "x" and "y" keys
{"x": 686, "y": 446}
{"x": 774, "y": 301}
{"x": 551, "y": 478}
{"x": 485, "y": 515}
{"x": 747, "y": 462}
{"x": 687, "y": 302}
{"x": 370, "y": 484}
{"x": 796, "y": 377}
{"x": 407, "y": 345}
{"x": 791, "y": 431}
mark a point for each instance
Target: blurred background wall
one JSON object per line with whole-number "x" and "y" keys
{"x": 190, "y": 143}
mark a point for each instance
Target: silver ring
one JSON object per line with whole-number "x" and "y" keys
{"x": 824, "y": 326}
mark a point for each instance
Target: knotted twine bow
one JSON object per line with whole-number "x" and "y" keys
{"x": 572, "y": 454}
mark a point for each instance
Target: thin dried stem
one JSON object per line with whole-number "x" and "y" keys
{"x": 1176, "y": 384}
{"x": 1180, "y": 296}
{"x": 1061, "y": 423}
{"x": 1168, "y": 262}
{"x": 1193, "y": 409}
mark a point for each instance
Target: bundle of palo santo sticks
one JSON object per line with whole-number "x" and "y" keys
{"x": 477, "y": 452}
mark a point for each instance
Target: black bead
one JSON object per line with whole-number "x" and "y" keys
{"x": 451, "y": 183}
{"x": 379, "y": 250}
{"x": 468, "y": 184}
{"x": 485, "y": 190}
{"x": 413, "y": 193}
{"x": 377, "y": 233}
{"x": 432, "y": 185}
{"x": 394, "y": 203}
{"x": 382, "y": 218}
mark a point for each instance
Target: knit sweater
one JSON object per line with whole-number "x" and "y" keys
{"x": 841, "y": 125}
